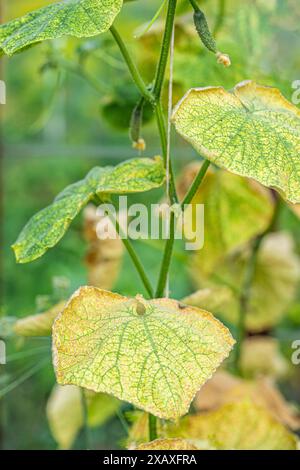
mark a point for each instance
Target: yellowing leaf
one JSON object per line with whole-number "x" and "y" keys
{"x": 254, "y": 349}
{"x": 252, "y": 131}
{"x": 47, "y": 227}
{"x": 154, "y": 354}
{"x": 237, "y": 426}
{"x": 65, "y": 414}
{"x": 235, "y": 210}
{"x": 274, "y": 286}
{"x": 225, "y": 388}
{"x": 78, "y": 18}
{"x": 167, "y": 444}
{"x": 212, "y": 298}
{"x": 40, "y": 324}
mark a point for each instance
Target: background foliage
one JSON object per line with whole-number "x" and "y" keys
{"x": 58, "y": 124}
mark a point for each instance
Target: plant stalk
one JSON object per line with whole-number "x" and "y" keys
{"x": 152, "y": 423}
{"x": 195, "y": 184}
{"x": 136, "y": 260}
{"x": 245, "y": 293}
{"x": 136, "y": 76}
{"x": 164, "y": 54}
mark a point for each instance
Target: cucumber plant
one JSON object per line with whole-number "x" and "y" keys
{"x": 156, "y": 353}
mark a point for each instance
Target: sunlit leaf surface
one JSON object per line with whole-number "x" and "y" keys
{"x": 154, "y": 354}
{"x": 47, "y": 227}
{"x": 78, "y": 18}
{"x": 252, "y": 131}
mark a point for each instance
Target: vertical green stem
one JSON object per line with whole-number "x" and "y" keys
{"x": 245, "y": 293}
{"x": 85, "y": 421}
{"x": 163, "y": 138}
{"x": 134, "y": 257}
{"x": 165, "y": 265}
{"x": 244, "y": 299}
{"x": 152, "y": 423}
{"x": 164, "y": 54}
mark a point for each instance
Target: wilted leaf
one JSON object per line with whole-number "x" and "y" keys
{"x": 65, "y": 414}
{"x": 254, "y": 349}
{"x": 154, "y": 354}
{"x": 236, "y": 209}
{"x": 225, "y": 388}
{"x": 167, "y": 444}
{"x": 40, "y": 324}
{"x": 237, "y": 426}
{"x": 104, "y": 256}
{"x": 252, "y": 131}
{"x": 78, "y": 18}
{"x": 276, "y": 277}
{"x": 48, "y": 226}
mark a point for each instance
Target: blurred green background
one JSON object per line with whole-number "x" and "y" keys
{"x": 68, "y": 109}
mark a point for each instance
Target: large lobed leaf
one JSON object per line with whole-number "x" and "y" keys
{"x": 47, "y": 227}
{"x": 154, "y": 354}
{"x": 252, "y": 131}
{"x": 78, "y": 18}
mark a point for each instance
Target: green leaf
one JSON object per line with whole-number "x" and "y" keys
{"x": 237, "y": 426}
{"x": 40, "y": 324}
{"x": 47, "y": 227}
{"x": 154, "y": 354}
{"x": 252, "y": 131}
{"x": 77, "y": 18}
